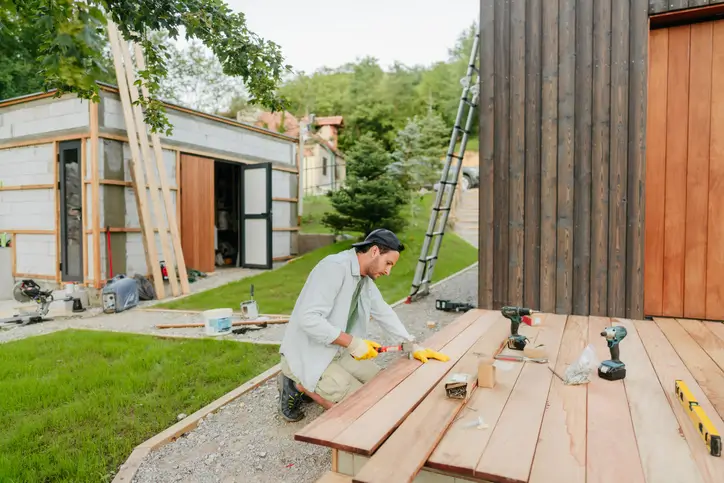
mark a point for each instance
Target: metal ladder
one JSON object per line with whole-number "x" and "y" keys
{"x": 446, "y": 191}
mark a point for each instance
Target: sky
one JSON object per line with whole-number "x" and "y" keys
{"x": 330, "y": 33}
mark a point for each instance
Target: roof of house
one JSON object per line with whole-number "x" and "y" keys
{"x": 273, "y": 121}
{"x": 320, "y": 140}
{"x": 329, "y": 121}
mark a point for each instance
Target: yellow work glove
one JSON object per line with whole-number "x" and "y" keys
{"x": 363, "y": 349}
{"x": 423, "y": 355}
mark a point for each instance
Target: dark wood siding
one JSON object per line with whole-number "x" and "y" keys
{"x": 563, "y": 129}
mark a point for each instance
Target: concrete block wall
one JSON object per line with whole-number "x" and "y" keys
{"x": 35, "y": 254}
{"x": 43, "y": 117}
{"x": 206, "y": 133}
{"x": 27, "y": 165}
{"x": 34, "y": 209}
{"x": 27, "y": 210}
{"x": 135, "y": 255}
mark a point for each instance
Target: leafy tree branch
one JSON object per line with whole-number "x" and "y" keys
{"x": 72, "y": 46}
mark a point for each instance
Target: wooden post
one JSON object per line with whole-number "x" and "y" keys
{"x": 56, "y": 199}
{"x": 84, "y": 237}
{"x": 146, "y": 155}
{"x": 149, "y": 238}
{"x": 170, "y": 212}
{"x": 95, "y": 195}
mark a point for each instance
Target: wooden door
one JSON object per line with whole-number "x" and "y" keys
{"x": 197, "y": 212}
{"x": 684, "y": 254}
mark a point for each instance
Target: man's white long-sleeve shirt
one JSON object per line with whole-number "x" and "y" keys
{"x": 321, "y": 311}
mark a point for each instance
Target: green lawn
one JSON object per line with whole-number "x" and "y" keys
{"x": 472, "y": 145}
{"x": 74, "y": 404}
{"x": 313, "y": 209}
{"x": 276, "y": 291}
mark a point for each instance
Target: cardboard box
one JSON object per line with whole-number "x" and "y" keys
{"x": 486, "y": 373}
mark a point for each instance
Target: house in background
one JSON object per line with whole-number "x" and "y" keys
{"x": 324, "y": 165}
{"x": 67, "y": 199}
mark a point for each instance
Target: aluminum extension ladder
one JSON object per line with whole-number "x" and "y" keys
{"x": 446, "y": 191}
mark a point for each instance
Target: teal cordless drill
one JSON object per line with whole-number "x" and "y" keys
{"x": 613, "y": 369}
{"x": 516, "y": 315}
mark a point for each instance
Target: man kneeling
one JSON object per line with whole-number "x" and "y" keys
{"x": 325, "y": 355}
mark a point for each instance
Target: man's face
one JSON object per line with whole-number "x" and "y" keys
{"x": 381, "y": 263}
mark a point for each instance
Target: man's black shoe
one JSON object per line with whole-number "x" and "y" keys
{"x": 290, "y": 399}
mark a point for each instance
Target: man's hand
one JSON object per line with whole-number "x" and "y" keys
{"x": 423, "y": 355}
{"x": 363, "y": 349}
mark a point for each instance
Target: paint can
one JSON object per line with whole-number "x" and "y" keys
{"x": 249, "y": 309}
{"x": 217, "y": 321}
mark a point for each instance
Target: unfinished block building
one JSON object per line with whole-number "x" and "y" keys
{"x": 66, "y": 194}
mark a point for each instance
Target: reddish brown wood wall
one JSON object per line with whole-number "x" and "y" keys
{"x": 684, "y": 254}
{"x": 197, "y": 212}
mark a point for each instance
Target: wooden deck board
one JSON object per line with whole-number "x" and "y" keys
{"x": 368, "y": 432}
{"x": 709, "y": 376}
{"x": 713, "y": 345}
{"x": 538, "y": 429}
{"x": 665, "y": 456}
{"x": 517, "y": 430}
{"x": 610, "y": 430}
{"x": 339, "y": 417}
{"x": 669, "y": 367}
{"x": 561, "y": 452}
{"x": 460, "y": 449}
{"x": 405, "y": 452}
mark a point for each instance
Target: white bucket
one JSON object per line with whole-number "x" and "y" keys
{"x": 217, "y": 321}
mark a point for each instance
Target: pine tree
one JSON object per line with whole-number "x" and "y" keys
{"x": 371, "y": 198}
{"x": 418, "y": 154}
{"x": 420, "y": 149}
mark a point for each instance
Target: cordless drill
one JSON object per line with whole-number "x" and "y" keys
{"x": 516, "y": 315}
{"x": 614, "y": 369}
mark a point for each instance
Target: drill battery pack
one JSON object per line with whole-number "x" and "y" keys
{"x": 450, "y": 306}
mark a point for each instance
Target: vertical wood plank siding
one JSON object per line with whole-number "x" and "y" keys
{"x": 562, "y": 139}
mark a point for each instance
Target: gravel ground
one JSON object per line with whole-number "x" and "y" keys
{"x": 248, "y": 441}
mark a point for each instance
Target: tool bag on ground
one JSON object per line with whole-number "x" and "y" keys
{"x": 145, "y": 288}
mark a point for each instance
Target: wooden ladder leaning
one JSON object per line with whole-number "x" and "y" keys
{"x": 143, "y": 175}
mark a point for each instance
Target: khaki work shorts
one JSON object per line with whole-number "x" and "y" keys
{"x": 343, "y": 376}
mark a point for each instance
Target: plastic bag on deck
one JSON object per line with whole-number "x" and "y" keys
{"x": 580, "y": 371}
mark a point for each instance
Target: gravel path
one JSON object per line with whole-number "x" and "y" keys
{"x": 247, "y": 440}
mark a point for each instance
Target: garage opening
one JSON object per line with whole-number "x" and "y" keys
{"x": 227, "y": 214}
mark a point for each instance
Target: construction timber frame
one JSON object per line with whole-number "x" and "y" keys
{"x": 587, "y": 206}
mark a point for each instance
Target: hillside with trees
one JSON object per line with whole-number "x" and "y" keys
{"x": 381, "y": 102}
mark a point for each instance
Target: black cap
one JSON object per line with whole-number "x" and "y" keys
{"x": 384, "y": 238}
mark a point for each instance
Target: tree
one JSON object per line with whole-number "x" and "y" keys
{"x": 419, "y": 151}
{"x": 370, "y": 198}
{"x": 72, "y": 39}
{"x": 195, "y": 78}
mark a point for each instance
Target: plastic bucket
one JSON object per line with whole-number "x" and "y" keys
{"x": 217, "y": 321}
